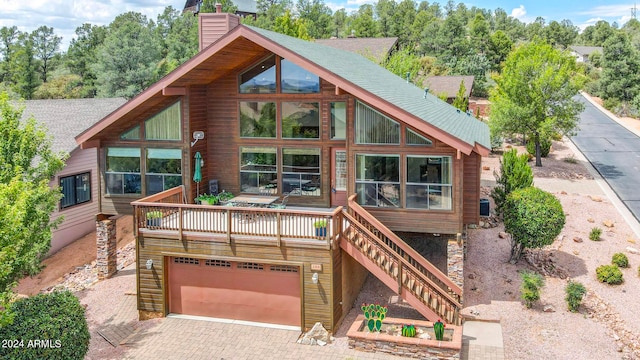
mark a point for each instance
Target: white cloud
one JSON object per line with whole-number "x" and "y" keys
{"x": 519, "y": 13}
{"x": 588, "y": 23}
{"x": 620, "y": 10}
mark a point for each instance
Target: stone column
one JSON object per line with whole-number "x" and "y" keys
{"x": 455, "y": 260}
{"x": 106, "y": 244}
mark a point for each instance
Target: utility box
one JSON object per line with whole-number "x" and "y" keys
{"x": 484, "y": 207}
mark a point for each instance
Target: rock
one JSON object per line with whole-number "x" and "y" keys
{"x": 632, "y": 250}
{"x": 591, "y": 220}
{"x": 560, "y": 237}
{"x": 317, "y": 334}
{"x": 576, "y": 252}
{"x": 563, "y": 192}
{"x": 486, "y": 168}
{"x": 471, "y": 276}
{"x": 549, "y": 309}
{"x": 481, "y": 224}
{"x": 425, "y": 336}
{"x": 321, "y": 343}
{"x": 608, "y": 223}
{"x": 577, "y": 239}
{"x": 595, "y": 198}
{"x": 502, "y": 235}
{"x": 633, "y": 241}
{"x": 473, "y": 226}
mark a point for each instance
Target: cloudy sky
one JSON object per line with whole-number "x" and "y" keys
{"x": 66, "y": 15}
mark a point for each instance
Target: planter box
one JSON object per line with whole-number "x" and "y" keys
{"x": 361, "y": 339}
{"x": 321, "y": 232}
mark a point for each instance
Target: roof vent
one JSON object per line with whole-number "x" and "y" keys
{"x": 468, "y": 112}
{"x": 458, "y": 110}
{"x": 408, "y": 77}
{"x": 426, "y": 91}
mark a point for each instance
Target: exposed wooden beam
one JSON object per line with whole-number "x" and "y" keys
{"x": 339, "y": 91}
{"x": 90, "y": 144}
{"x": 172, "y": 91}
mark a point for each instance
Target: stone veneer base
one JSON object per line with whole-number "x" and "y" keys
{"x": 404, "y": 346}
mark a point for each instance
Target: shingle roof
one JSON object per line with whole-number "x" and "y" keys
{"x": 449, "y": 84}
{"x": 586, "y": 50}
{"x": 66, "y": 118}
{"x": 376, "y": 48}
{"x": 387, "y": 86}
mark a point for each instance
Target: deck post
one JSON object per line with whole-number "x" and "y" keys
{"x": 180, "y": 223}
{"x": 228, "y": 226}
{"x": 279, "y": 228}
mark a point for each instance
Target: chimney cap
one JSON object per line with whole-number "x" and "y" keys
{"x": 218, "y": 8}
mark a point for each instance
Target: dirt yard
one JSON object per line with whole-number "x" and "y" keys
{"x": 606, "y": 325}
{"x": 72, "y": 257}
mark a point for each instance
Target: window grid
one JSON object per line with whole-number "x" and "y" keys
{"x": 186, "y": 260}
{"x": 250, "y": 266}
{"x": 218, "y": 263}
{"x": 284, "y": 268}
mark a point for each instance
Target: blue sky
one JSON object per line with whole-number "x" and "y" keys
{"x": 66, "y": 15}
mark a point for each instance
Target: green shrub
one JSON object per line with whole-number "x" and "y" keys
{"x": 620, "y": 260}
{"x": 545, "y": 147}
{"x": 531, "y": 284}
{"x": 56, "y": 319}
{"x": 515, "y": 174}
{"x": 575, "y": 292}
{"x": 533, "y": 218}
{"x": 595, "y": 234}
{"x": 609, "y": 274}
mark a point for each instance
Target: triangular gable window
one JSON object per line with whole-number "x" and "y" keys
{"x": 260, "y": 79}
{"x": 165, "y": 125}
{"x": 373, "y": 127}
{"x": 414, "y": 138}
{"x": 131, "y": 134}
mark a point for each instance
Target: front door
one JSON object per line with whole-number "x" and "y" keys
{"x": 338, "y": 177}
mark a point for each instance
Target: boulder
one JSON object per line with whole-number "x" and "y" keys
{"x": 316, "y": 336}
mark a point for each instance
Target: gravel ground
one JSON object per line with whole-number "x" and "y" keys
{"x": 606, "y": 325}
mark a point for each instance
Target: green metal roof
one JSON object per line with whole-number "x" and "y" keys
{"x": 389, "y": 87}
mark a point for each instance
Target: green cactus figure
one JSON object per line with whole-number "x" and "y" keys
{"x": 374, "y": 314}
{"x": 408, "y": 330}
{"x": 438, "y": 329}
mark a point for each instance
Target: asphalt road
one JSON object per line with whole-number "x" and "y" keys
{"x": 614, "y": 151}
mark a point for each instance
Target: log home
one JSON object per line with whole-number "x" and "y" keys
{"x": 344, "y": 141}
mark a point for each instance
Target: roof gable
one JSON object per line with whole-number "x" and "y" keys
{"x": 348, "y": 71}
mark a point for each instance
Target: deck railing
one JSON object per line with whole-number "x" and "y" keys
{"x": 168, "y": 214}
{"x": 407, "y": 267}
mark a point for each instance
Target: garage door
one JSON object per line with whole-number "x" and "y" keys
{"x": 235, "y": 290}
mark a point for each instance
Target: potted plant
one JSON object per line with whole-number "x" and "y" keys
{"x": 321, "y": 227}
{"x": 225, "y": 196}
{"x": 154, "y": 218}
{"x": 208, "y": 199}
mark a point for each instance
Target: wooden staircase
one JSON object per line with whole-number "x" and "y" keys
{"x": 400, "y": 267}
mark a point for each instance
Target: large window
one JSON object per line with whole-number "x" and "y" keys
{"x": 338, "y": 120}
{"x": 258, "y": 170}
{"x": 428, "y": 182}
{"x": 414, "y": 138}
{"x": 373, "y": 127}
{"x": 164, "y": 170}
{"x": 300, "y": 120}
{"x": 76, "y": 189}
{"x": 123, "y": 171}
{"x": 378, "y": 180}
{"x": 295, "y": 79}
{"x": 257, "y": 119}
{"x": 301, "y": 171}
{"x": 165, "y": 125}
{"x": 260, "y": 79}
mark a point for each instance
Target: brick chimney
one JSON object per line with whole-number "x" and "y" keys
{"x": 212, "y": 27}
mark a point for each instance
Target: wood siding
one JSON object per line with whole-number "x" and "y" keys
{"x": 79, "y": 220}
{"x": 471, "y": 188}
{"x": 317, "y": 298}
{"x": 212, "y": 27}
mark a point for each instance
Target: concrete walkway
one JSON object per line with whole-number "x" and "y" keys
{"x": 482, "y": 340}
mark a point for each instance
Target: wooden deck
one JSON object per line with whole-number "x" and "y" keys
{"x": 229, "y": 223}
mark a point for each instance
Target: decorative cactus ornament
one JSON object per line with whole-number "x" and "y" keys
{"x": 438, "y": 329}
{"x": 374, "y": 314}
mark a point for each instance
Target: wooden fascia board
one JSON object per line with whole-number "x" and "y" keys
{"x": 358, "y": 92}
{"x": 173, "y": 91}
{"x": 90, "y": 144}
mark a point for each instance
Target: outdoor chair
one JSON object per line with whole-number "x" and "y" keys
{"x": 283, "y": 202}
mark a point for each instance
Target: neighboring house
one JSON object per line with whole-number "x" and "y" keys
{"x": 320, "y": 127}
{"x": 582, "y": 53}
{"x": 244, "y": 7}
{"x": 376, "y": 49}
{"x": 449, "y": 85}
{"x": 78, "y": 180}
